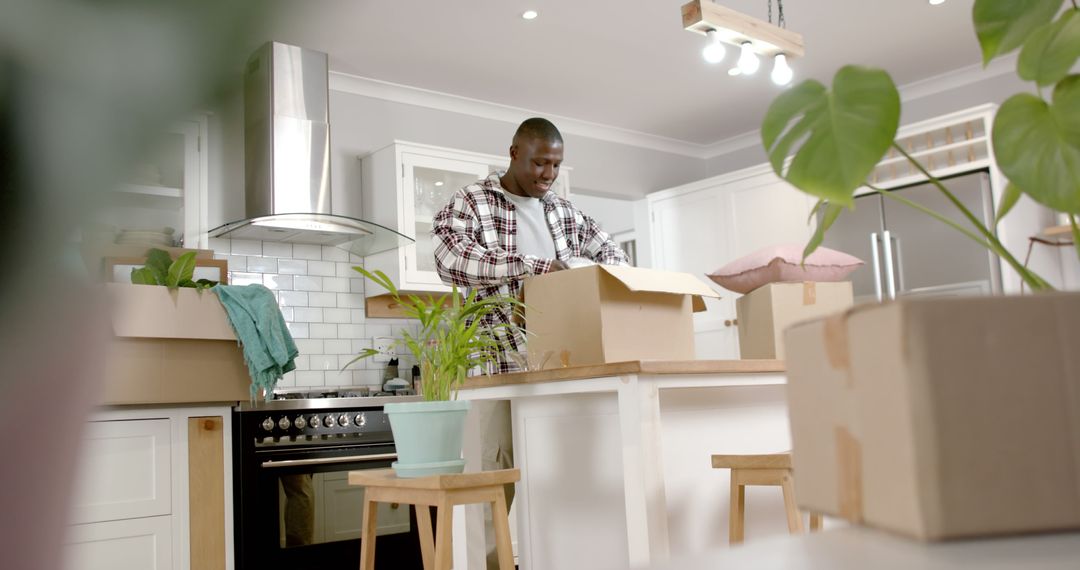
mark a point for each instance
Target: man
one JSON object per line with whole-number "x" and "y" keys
{"x": 496, "y": 232}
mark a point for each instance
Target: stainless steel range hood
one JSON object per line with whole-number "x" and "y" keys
{"x": 287, "y": 157}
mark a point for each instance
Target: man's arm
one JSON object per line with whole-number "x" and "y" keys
{"x": 597, "y": 245}
{"x": 462, "y": 261}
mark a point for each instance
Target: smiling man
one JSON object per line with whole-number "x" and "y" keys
{"x": 496, "y": 232}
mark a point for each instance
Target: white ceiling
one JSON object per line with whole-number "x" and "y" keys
{"x": 623, "y": 64}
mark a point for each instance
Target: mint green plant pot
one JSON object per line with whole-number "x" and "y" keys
{"x": 428, "y": 436}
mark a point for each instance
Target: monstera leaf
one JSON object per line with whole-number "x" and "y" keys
{"x": 838, "y": 135}
{"x": 1051, "y": 51}
{"x": 1038, "y": 145}
{"x": 1004, "y": 25}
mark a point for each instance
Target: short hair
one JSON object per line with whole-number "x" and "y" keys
{"x": 538, "y": 128}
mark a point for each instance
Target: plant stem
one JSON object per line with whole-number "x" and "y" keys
{"x": 1033, "y": 280}
{"x": 933, "y": 214}
{"x": 1075, "y": 233}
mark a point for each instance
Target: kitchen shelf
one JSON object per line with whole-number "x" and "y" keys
{"x": 147, "y": 196}
{"x": 1055, "y": 231}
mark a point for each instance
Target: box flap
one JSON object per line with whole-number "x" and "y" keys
{"x": 153, "y": 311}
{"x": 641, "y": 279}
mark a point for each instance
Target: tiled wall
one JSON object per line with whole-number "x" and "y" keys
{"x": 322, "y": 300}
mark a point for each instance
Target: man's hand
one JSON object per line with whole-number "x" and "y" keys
{"x": 558, "y": 265}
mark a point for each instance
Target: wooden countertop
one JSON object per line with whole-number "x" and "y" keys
{"x": 629, "y": 367}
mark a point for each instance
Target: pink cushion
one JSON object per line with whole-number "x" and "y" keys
{"x": 781, "y": 263}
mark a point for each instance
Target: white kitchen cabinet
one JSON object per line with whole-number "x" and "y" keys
{"x": 699, "y": 227}
{"x": 403, "y": 186}
{"x": 167, "y": 187}
{"x": 136, "y": 504}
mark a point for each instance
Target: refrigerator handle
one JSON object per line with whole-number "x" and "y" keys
{"x": 890, "y": 282}
{"x": 877, "y": 265}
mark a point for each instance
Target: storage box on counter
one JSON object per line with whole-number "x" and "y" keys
{"x": 602, "y": 314}
{"x": 171, "y": 346}
{"x": 765, "y": 312}
{"x": 940, "y": 418}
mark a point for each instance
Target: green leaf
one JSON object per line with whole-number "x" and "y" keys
{"x": 841, "y": 134}
{"x": 1038, "y": 145}
{"x": 832, "y": 211}
{"x": 158, "y": 261}
{"x": 181, "y": 270}
{"x": 205, "y": 284}
{"x": 1051, "y": 51}
{"x": 1008, "y": 200}
{"x": 1004, "y": 25}
{"x": 143, "y": 276}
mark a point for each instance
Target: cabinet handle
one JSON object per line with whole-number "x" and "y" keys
{"x": 731, "y": 323}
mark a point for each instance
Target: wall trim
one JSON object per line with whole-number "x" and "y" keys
{"x": 378, "y": 89}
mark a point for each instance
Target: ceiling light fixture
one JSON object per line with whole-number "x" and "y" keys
{"x": 714, "y": 51}
{"x": 936, "y": 2}
{"x": 755, "y": 38}
{"x": 529, "y": 14}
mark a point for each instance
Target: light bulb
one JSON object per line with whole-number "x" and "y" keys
{"x": 936, "y": 2}
{"x": 714, "y": 51}
{"x": 529, "y": 14}
{"x": 748, "y": 61}
{"x": 781, "y": 71}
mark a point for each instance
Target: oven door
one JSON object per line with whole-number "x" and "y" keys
{"x": 298, "y": 511}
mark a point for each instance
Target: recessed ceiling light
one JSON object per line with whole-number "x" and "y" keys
{"x": 529, "y": 14}
{"x": 438, "y": 183}
{"x": 936, "y": 2}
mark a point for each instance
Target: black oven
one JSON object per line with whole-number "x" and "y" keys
{"x": 293, "y": 505}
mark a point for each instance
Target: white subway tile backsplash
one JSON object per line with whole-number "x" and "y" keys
{"x": 344, "y": 359}
{"x": 306, "y": 346}
{"x": 345, "y": 269}
{"x": 336, "y": 284}
{"x": 287, "y": 313}
{"x": 350, "y": 300}
{"x": 321, "y": 268}
{"x": 307, "y": 283}
{"x": 356, "y": 315}
{"x": 237, "y": 262}
{"x": 306, "y": 251}
{"x": 262, "y": 265}
{"x": 338, "y": 378}
{"x": 239, "y": 278}
{"x": 353, "y": 258}
{"x": 333, "y": 253}
{"x": 360, "y": 344}
{"x": 338, "y": 347}
{"x": 308, "y": 315}
{"x": 292, "y": 266}
{"x": 324, "y": 330}
{"x": 303, "y": 362}
{"x": 294, "y": 299}
{"x": 246, "y": 247}
{"x": 324, "y": 362}
{"x": 221, "y": 245}
{"x": 273, "y": 281}
{"x": 356, "y": 285}
{"x": 351, "y": 331}
{"x": 336, "y": 316}
{"x": 277, "y": 249}
{"x": 374, "y": 330}
{"x": 367, "y": 378}
{"x": 322, "y": 299}
{"x": 298, "y": 329}
{"x": 288, "y": 380}
{"x": 310, "y": 378}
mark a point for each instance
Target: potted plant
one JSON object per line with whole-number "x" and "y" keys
{"x": 839, "y": 135}
{"x": 451, "y": 341}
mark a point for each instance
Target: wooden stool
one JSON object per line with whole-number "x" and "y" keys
{"x": 775, "y": 470}
{"x": 441, "y": 492}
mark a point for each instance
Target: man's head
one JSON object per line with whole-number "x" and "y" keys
{"x": 535, "y": 156}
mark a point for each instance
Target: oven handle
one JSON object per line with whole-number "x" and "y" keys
{"x": 295, "y": 462}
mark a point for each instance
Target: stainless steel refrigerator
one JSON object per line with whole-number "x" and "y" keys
{"x": 907, "y": 253}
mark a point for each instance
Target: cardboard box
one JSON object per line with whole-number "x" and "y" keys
{"x": 601, "y": 314}
{"x": 767, "y": 311}
{"x": 171, "y": 347}
{"x": 940, "y": 418}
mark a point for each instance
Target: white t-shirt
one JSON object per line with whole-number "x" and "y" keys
{"x": 533, "y": 234}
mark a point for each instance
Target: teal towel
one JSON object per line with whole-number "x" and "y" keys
{"x": 269, "y": 349}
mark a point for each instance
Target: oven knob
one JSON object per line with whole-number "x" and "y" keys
{"x": 300, "y": 422}
{"x": 328, "y": 421}
{"x": 268, "y": 424}
{"x": 343, "y": 420}
{"x": 360, "y": 420}
{"x": 284, "y": 423}
{"x": 315, "y": 422}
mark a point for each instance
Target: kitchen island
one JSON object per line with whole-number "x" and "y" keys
{"x": 615, "y": 459}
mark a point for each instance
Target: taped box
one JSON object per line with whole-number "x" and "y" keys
{"x": 940, "y": 418}
{"x": 171, "y": 346}
{"x": 602, "y": 314}
{"x": 767, "y": 311}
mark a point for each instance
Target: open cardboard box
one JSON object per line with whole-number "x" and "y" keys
{"x": 764, "y": 313}
{"x": 940, "y": 418}
{"x": 171, "y": 346}
{"x": 601, "y": 314}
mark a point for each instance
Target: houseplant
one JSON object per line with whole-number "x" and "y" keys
{"x": 839, "y": 135}
{"x": 452, "y": 340}
{"x": 161, "y": 269}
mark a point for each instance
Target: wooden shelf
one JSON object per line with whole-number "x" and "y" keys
{"x": 1055, "y": 231}
{"x": 162, "y": 197}
{"x": 384, "y": 307}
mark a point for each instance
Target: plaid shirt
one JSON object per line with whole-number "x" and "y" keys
{"x": 475, "y": 239}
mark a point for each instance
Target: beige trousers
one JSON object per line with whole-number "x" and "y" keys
{"x": 497, "y": 452}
